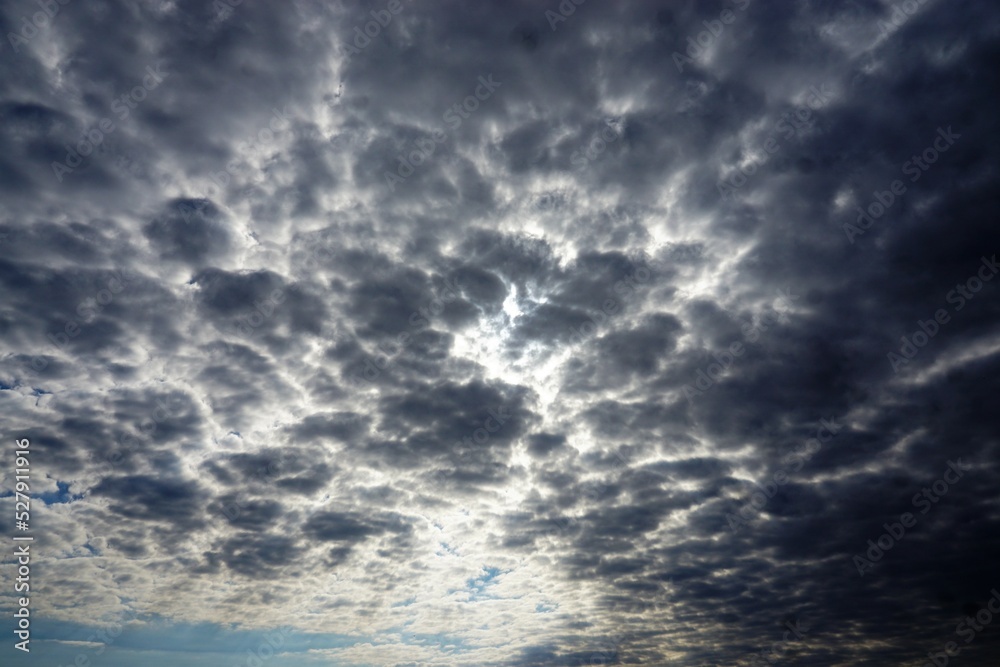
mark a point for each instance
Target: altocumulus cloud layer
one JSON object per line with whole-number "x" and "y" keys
{"x": 508, "y": 333}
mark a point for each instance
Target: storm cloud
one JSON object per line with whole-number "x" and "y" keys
{"x": 504, "y": 334}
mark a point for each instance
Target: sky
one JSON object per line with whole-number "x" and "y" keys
{"x": 500, "y": 334}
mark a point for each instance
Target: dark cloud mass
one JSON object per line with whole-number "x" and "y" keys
{"x": 506, "y": 333}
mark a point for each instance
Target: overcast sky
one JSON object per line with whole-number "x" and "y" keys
{"x": 502, "y": 334}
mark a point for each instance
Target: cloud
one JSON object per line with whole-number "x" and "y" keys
{"x": 449, "y": 418}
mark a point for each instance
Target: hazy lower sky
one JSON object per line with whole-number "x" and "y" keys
{"x": 503, "y": 334}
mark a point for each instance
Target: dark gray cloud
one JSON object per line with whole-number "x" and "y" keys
{"x": 553, "y": 334}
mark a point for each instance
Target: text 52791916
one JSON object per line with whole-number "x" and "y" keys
{"x": 22, "y": 518}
